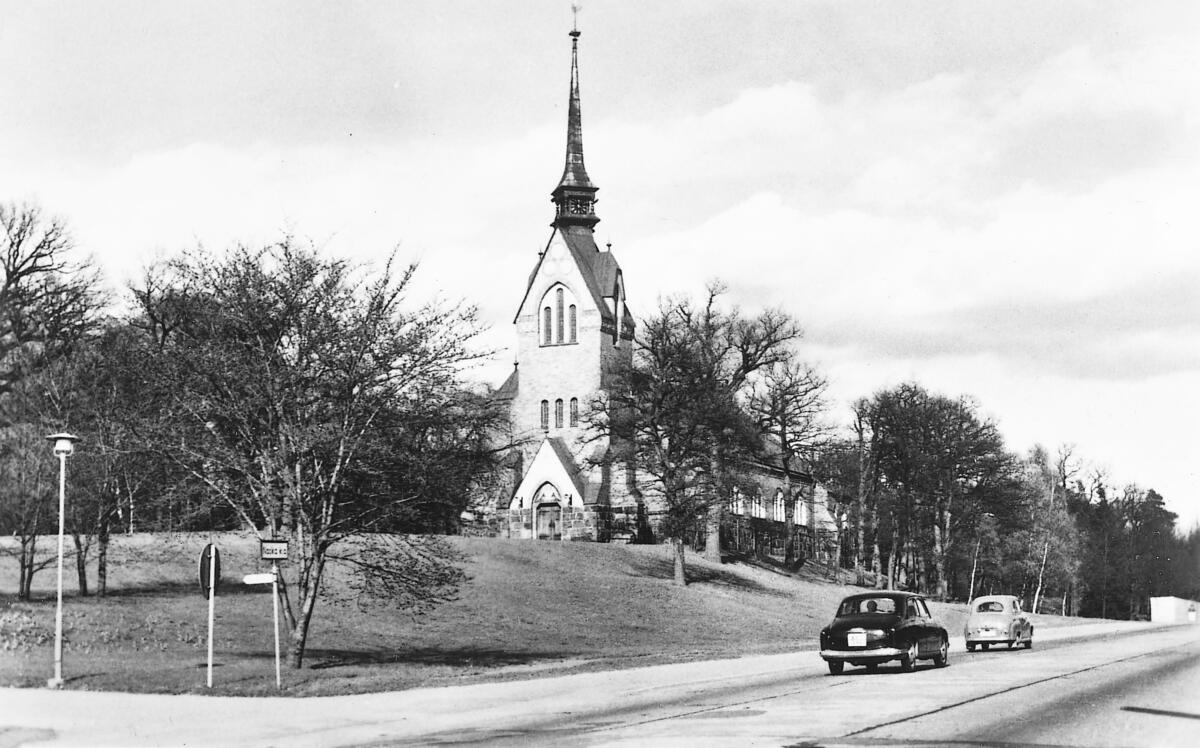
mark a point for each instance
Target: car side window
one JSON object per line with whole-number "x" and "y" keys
{"x": 923, "y": 609}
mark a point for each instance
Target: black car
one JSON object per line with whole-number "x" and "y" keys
{"x": 875, "y": 627}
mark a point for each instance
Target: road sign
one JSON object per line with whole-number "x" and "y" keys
{"x": 273, "y": 550}
{"x": 267, "y": 578}
{"x": 206, "y": 567}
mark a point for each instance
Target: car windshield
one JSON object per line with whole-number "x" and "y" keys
{"x": 860, "y": 605}
{"x": 990, "y": 607}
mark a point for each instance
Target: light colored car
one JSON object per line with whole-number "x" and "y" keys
{"x": 997, "y": 619}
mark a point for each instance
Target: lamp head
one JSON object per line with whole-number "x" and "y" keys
{"x": 64, "y": 443}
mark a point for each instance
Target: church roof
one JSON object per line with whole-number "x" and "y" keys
{"x": 508, "y": 390}
{"x": 568, "y": 462}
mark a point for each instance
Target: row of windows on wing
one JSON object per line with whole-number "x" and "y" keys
{"x": 558, "y": 413}
{"x": 773, "y": 508}
{"x": 560, "y": 319}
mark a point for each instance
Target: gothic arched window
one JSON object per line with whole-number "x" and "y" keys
{"x": 558, "y": 309}
{"x": 545, "y": 415}
{"x": 574, "y": 411}
{"x": 558, "y": 414}
{"x": 559, "y": 321}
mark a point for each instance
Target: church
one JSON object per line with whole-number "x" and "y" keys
{"x": 574, "y": 335}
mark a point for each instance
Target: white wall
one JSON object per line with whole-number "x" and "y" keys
{"x": 1174, "y": 610}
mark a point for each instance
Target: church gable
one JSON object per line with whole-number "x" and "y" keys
{"x": 566, "y": 260}
{"x": 551, "y": 465}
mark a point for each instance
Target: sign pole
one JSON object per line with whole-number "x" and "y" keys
{"x": 212, "y": 598}
{"x": 275, "y": 609}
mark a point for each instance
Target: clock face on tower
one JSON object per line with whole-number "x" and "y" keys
{"x": 580, "y": 207}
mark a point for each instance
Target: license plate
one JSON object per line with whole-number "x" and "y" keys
{"x": 858, "y": 639}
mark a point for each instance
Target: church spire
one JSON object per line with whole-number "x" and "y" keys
{"x": 575, "y": 195}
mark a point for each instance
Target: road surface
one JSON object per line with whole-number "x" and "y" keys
{"x": 1107, "y": 684}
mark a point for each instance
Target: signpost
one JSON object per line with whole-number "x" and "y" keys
{"x": 274, "y": 551}
{"x": 210, "y": 577}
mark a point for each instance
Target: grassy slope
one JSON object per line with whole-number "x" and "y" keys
{"x": 529, "y": 608}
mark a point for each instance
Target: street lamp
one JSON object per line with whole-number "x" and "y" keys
{"x": 64, "y": 445}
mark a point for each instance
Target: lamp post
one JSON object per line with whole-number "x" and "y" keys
{"x": 64, "y": 445}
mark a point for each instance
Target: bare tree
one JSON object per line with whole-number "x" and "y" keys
{"x": 787, "y": 401}
{"x": 27, "y": 498}
{"x": 49, "y": 300}
{"x": 680, "y": 407}
{"x": 297, "y": 383}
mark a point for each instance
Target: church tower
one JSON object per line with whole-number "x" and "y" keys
{"x": 574, "y": 334}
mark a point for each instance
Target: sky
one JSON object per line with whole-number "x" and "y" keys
{"x": 992, "y": 199}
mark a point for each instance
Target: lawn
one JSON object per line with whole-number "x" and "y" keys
{"x": 528, "y": 609}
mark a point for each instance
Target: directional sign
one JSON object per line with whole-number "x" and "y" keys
{"x": 206, "y": 567}
{"x": 267, "y": 578}
{"x": 273, "y": 550}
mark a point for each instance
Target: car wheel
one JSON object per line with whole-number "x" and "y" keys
{"x": 908, "y": 660}
{"x": 872, "y": 666}
{"x": 984, "y": 646}
{"x": 1010, "y": 644}
{"x": 942, "y": 658}
{"x": 1029, "y": 641}
{"x": 836, "y": 667}
{"x": 970, "y": 646}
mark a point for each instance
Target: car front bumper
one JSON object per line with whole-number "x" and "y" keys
{"x": 997, "y": 637}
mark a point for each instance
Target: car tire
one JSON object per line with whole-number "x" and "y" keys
{"x": 908, "y": 660}
{"x": 970, "y": 646}
{"x": 984, "y": 646}
{"x": 942, "y": 658}
{"x": 836, "y": 667}
{"x": 872, "y": 666}
{"x": 1029, "y": 641}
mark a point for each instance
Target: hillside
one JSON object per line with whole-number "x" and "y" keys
{"x": 528, "y": 608}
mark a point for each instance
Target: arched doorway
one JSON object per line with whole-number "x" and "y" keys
{"x": 547, "y": 508}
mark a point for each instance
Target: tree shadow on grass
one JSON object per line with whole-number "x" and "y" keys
{"x": 171, "y": 587}
{"x": 324, "y": 659}
{"x": 664, "y": 568}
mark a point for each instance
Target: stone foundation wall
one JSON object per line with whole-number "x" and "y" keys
{"x": 577, "y": 523}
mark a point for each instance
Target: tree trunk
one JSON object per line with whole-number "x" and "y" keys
{"x": 974, "y": 566}
{"x": 876, "y": 567}
{"x": 27, "y": 560}
{"x": 939, "y": 561}
{"x": 712, "y": 541}
{"x": 80, "y": 564}
{"x": 102, "y": 536}
{"x": 839, "y": 521}
{"x": 894, "y": 556}
{"x": 1037, "y": 595}
{"x": 25, "y": 569}
{"x": 299, "y": 635}
{"x": 680, "y": 572}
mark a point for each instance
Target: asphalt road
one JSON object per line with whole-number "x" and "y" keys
{"x": 1108, "y": 684}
